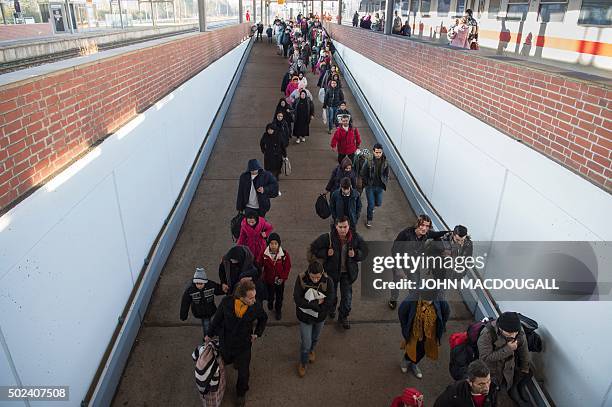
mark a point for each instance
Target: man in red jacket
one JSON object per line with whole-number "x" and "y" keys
{"x": 346, "y": 138}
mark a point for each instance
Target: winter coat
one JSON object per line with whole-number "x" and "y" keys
{"x": 325, "y": 286}
{"x": 235, "y": 333}
{"x": 252, "y": 238}
{"x": 274, "y": 149}
{"x": 230, "y": 274}
{"x": 304, "y": 110}
{"x": 459, "y": 395}
{"x": 369, "y": 175}
{"x": 285, "y": 82}
{"x": 459, "y": 36}
{"x": 271, "y": 269}
{"x": 290, "y": 88}
{"x": 407, "y": 311}
{"x": 347, "y": 141}
{"x": 337, "y": 174}
{"x": 466, "y": 250}
{"x": 202, "y": 302}
{"x": 282, "y": 128}
{"x": 331, "y": 265}
{"x": 333, "y": 97}
{"x": 264, "y": 179}
{"x": 499, "y": 358}
{"x": 336, "y": 204}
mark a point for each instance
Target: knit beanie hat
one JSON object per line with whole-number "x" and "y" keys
{"x": 509, "y": 322}
{"x": 274, "y": 236}
{"x": 199, "y": 277}
{"x": 412, "y": 397}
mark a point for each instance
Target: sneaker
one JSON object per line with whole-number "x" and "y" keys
{"x": 301, "y": 370}
{"x": 297, "y": 140}
{"x": 240, "y": 401}
{"x": 416, "y": 370}
{"x": 328, "y": 131}
{"x": 303, "y": 139}
{"x": 392, "y": 304}
{"x": 278, "y": 315}
{"x": 312, "y": 357}
{"x": 279, "y": 193}
{"x": 404, "y": 365}
{"x": 368, "y": 224}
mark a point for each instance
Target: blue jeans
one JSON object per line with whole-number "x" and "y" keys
{"x": 331, "y": 117}
{"x": 374, "y": 196}
{"x": 205, "y": 325}
{"x": 346, "y": 295}
{"x": 310, "y": 334}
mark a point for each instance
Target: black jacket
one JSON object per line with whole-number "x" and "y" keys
{"x": 369, "y": 174}
{"x": 274, "y": 149}
{"x": 459, "y": 395}
{"x": 325, "y": 286}
{"x": 235, "y": 333}
{"x": 409, "y": 235}
{"x": 264, "y": 179}
{"x": 333, "y": 97}
{"x": 283, "y": 129}
{"x": 331, "y": 265}
{"x": 336, "y": 176}
{"x": 202, "y": 301}
{"x": 336, "y": 204}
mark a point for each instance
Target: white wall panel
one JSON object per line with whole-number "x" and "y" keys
{"x": 58, "y": 303}
{"x": 65, "y": 273}
{"x": 419, "y": 147}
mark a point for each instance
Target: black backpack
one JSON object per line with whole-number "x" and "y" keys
{"x": 534, "y": 342}
{"x": 322, "y": 207}
{"x": 235, "y": 224}
{"x": 465, "y": 349}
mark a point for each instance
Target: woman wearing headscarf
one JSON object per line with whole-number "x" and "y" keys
{"x": 304, "y": 112}
{"x": 293, "y": 85}
{"x": 274, "y": 150}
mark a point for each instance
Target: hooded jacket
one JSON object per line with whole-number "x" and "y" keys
{"x": 251, "y": 236}
{"x": 229, "y": 273}
{"x": 331, "y": 265}
{"x": 271, "y": 269}
{"x": 263, "y": 179}
{"x": 459, "y": 395}
{"x": 338, "y": 173}
{"x": 347, "y": 141}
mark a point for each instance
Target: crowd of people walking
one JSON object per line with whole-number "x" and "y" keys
{"x": 256, "y": 268}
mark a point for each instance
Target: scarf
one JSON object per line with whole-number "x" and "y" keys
{"x": 423, "y": 329}
{"x": 240, "y": 308}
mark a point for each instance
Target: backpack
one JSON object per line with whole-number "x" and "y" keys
{"x": 534, "y": 341}
{"x": 464, "y": 348}
{"x": 322, "y": 207}
{"x": 209, "y": 373}
{"x": 311, "y": 258}
{"x": 235, "y": 224}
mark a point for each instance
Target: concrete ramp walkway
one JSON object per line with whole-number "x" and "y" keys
{"x": 358, "y": 367}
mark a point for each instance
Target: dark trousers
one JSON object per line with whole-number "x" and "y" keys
{"x": 259, "y": 37}
{"x": 276, "y": 294}
{"x": 420, "y": 353}
{"x": 285, "y": 49}
{"x": 346, "y": 295}
{"x": 242, "y": 363}
{"x": 341, "y": 157}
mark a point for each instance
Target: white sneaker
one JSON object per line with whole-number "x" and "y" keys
{"x": 416, "y": 371}
{"x": 404, "y": 365}
{"x": 279, "y": 193}
{"x": 297, "y": 141}
{"x": 303, "y": 139}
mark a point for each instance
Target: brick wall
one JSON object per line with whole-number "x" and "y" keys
{"x": 567, "y": 120}
{"x": 48, "y": 121}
